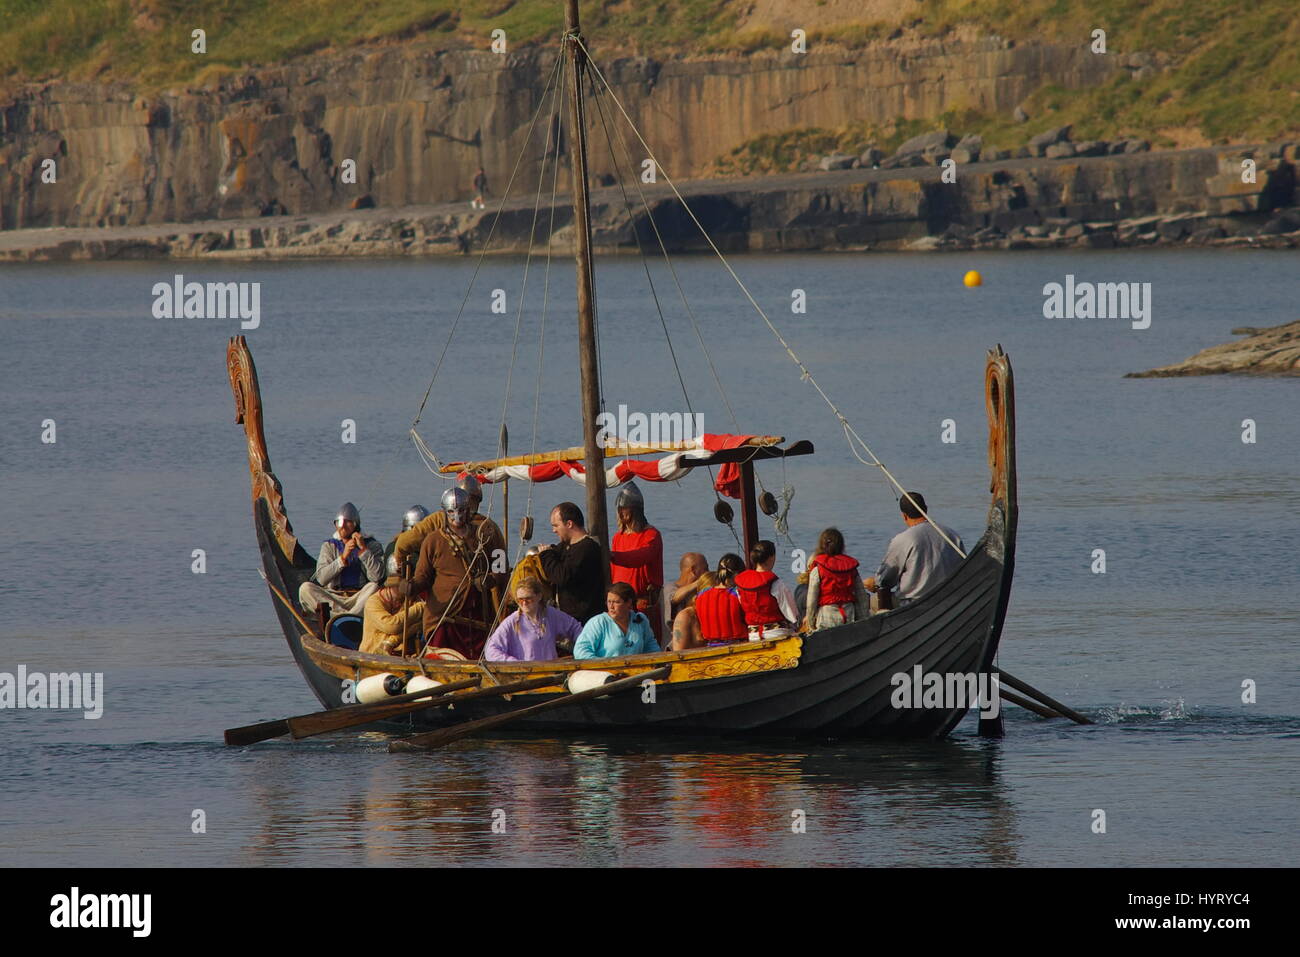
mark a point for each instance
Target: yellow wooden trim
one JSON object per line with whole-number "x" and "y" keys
{"x": 740, "y": 658}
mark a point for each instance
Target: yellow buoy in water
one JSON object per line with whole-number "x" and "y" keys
{"x": 973, "y": 279}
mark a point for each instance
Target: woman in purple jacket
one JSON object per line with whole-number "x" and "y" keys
{"x": 530, "y": 633}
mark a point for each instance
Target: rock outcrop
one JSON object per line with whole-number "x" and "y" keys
{"x": 1271, "y": 351}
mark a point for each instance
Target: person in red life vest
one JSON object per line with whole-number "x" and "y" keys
{"x": 686, "y": 623}
{"x": 718, "y": 609}
{"x": 636, "y": 556}
{"x": 835, "y": 592}
{"x": 767, "y": 601}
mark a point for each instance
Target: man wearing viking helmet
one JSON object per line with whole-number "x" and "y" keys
{"x": 456, "y": 566}
{"x": 413, "y": 535}
{"x": 349, "y": 569}
{"x": 636, "y": 556}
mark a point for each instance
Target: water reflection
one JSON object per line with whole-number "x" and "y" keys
{"x": 623, "y": 801}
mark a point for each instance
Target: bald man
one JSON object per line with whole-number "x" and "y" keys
{"x": 692, "y": 566}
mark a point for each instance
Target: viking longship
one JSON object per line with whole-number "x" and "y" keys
{"x": 832, "y": 682}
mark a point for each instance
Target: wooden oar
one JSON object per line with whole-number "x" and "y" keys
{"x": 320, "y": 724}
{"x": 1039, "y": 696}
{"x": 1027, "y": 704}
{"x": 436, "y": 739}
{"x": 265, "y": 730}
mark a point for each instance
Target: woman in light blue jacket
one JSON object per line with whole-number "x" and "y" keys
{"x": 622, "y": 631}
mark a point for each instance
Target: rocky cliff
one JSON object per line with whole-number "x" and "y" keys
{"x": 1166, "y": 197}
{"x": 417, "y": 124}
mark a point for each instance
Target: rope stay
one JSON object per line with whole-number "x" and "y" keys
{"x": 805, "y": 374}
{"x": 686, "y": 305}
{"x": 555, "y": 72}
{"x": 645, "y": 263}
{"x": 558, "y": 99}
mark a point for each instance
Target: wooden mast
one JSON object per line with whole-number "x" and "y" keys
{"x": 597, "y": 520}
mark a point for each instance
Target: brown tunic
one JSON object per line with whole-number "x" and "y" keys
{"x": 409, "y": 541}
{"x": 454, "y": 569}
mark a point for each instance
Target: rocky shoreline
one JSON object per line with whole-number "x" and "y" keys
{"x": 1271, "y": 351}
{"x": 1128, "y": 199}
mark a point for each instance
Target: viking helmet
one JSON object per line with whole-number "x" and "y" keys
{"x": 347, "y": 513}
{"x": 413, "y": 516}
{"x": 456, "y": 503}
{"x": 390, "y": 566}
{"x": 473, "y": 486}
{"x": 630, "y": 497}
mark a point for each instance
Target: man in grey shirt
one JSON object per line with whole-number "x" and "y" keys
{"x": 349, "y": 570}
{"x": 918, "y": 558}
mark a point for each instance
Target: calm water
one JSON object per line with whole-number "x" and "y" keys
{"x": 1199, "y": 530}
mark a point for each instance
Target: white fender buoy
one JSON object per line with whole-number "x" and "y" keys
{"x": 586, "y": 680}
{"x": 378, "y": 687}
{"x": 421, "y": 683}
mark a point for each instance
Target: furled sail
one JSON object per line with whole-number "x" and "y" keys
{"x": 667, "y": 469}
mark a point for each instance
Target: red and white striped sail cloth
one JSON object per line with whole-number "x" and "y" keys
{"x": 667, "y": 469}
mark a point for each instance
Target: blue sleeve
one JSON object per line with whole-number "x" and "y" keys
{"x": 585, "y": 646}
{"x": 649, "y": 645}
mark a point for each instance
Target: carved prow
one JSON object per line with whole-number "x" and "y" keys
{"x": 1000, "y": 403}
{"x": 248, "y": 412}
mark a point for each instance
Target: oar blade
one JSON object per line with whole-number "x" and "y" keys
{"x": 253, "y": 733}
{"x": 265, "y": 730}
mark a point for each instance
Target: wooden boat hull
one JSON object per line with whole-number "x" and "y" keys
{"x": 836, "y": 682}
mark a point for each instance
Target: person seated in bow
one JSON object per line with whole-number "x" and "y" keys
{"x": 391, "y": 624}
{"x": 348, "y": 570}
{"x": 619, "y": 630}
{"x": 769, "y": 606}
{"x": 530, "y": 633}
{"x": 722, "y": 619}
{"x": 835, "y": 592}
{"x": 920, "y": 557}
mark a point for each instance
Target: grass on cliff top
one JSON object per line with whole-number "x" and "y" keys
{"x": 148, "y": 41}
{"x": 1235, "y": 64}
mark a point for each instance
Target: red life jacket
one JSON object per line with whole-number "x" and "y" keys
{"x": 756, "y": 598}
{"x": 835, "y": 579}
{"x": 720, "y": 615}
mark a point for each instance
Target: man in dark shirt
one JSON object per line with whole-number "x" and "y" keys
{"x": 574, "y": 566}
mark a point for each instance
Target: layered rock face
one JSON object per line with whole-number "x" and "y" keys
{"x": 417, "y": 124}
{"x": 1178, "y": 196}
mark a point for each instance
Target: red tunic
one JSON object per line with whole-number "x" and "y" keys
{"x": 638, "y": 559}
{"x": 720, "y": 615}
{"x": 756, "y": 598}
{"x": 835, "y": 579}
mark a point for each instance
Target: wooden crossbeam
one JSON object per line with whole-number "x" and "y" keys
{"x": 578, "y": 452}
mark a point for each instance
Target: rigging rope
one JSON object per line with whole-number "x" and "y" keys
{"x": 420, "y": 445}
{"x": 627, "y": 202}
{"x": 851, "y": 434}
{"x": 558, "y": 99}
{"x": 663, "y": 248}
